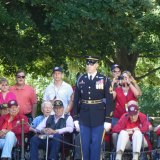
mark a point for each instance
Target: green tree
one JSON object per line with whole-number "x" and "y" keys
{"x": 38, "y": 34}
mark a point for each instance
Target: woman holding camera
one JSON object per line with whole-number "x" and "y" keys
{"x": 128, "y": 90}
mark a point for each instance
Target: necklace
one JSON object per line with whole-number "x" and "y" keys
{"x": 125, "y": 90}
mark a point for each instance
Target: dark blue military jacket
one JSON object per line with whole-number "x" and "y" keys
{"x": 98, "y": 89}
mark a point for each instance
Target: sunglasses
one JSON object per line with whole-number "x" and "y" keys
{"x": 21, "y": 77}
{"x": 91, "y": 64}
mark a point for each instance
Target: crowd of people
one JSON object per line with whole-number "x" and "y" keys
{"x": 99, "y": 104}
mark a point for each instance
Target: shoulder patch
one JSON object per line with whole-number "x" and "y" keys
{"x": 78, "y": 80}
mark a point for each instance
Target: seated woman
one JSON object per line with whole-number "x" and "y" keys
{"x": 55, "y": 126}
{"x": 39, "y": 123}
{"x": 131, "y": 127}
{"x": 10, "y": 129}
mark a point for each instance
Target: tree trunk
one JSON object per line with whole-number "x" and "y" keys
{"x": 126, "y": 60}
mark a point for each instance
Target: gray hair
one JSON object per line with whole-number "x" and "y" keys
{"x": 3, "y": 80}
{"x": 45, "y": 103}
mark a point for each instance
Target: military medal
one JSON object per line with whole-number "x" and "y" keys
{"x": 102, "y": 84}
{"x": 96, "y": 85}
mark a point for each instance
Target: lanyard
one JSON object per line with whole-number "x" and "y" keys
{"x": 56, "y": 90}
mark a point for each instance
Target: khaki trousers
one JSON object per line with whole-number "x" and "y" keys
{"x": 125, "y": 143}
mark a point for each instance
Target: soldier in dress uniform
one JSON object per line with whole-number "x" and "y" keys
{"x": 91, "y": 112}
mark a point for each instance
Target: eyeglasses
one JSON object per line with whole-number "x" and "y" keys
{"x": 21, "y": 77}
{"x": 3, "y": 85}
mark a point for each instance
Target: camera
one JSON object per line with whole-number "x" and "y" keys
{"x": 120, "y": 80}
{"x": 120, "y": 77}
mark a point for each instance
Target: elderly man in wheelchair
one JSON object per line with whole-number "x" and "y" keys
{"x": 11, "y": 129}
{"x": 132, "y": 127}
{"x": 53, "y": 128}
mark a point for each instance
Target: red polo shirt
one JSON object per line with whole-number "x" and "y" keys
{"x": 26, "y": 98}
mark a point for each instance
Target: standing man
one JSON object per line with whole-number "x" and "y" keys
{"x": 25, "y": 95}
{"x": 90, "y": 111}
{"x": 58, "y": 89}
{"x": 116, "y": 72}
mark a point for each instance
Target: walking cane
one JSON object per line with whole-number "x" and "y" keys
{"x": 47, "y": 139}
{"x": 22, "y": 139}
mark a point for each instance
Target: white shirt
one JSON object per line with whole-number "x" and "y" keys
{"x": 42, "y": 124}
{"x": 62, "y": 93}
{"x": 93, "y": 75}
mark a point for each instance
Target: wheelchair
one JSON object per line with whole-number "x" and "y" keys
{"x": 109, "y": 153}
{"x": 66, "y": 150}
{"x": 106, "y": 148}
{"x": 21, "y": 150}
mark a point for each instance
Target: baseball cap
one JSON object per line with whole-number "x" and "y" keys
{"x": 58, "y": 103}
{"x": 12, "y": 103}
{"x": 91, "y": 59}
{"x": 115, "y": 66}
{"x": 133, "y": 109}
{"x": 57, "y": 69}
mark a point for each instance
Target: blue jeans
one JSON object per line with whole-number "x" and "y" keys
{"x": 7, "y": 143}
{"x": 91, "y": 138}
{"x": 36, "y": 143}
{"x": 114, "y": 121}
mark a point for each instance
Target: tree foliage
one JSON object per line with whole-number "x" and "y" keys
{"x": 149, "y": 102}
{"x": 38, "y": 34}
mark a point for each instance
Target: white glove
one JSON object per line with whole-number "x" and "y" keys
{"x": 76, "y": 124}
{"x": 107, "y": 126}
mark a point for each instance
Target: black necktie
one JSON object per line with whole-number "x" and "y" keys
{"x": 90, "y": 78}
